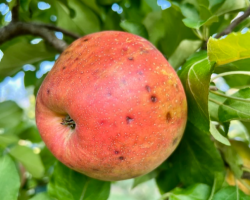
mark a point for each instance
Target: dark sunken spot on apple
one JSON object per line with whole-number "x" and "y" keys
{"x": 131, "y": 58}
{"x": 68, "y": 121}
{"x": 76, "y": 59}
{"x": 116, "y": 152}
{"x": 175, "y": 141}
{"x": 168, "y": 117}
{"x": 85, "y": 40}
{"x": 148, "y": 88}
{"x": 121, "y": 158}
{"x": 153, "y": 99}
{"x": 48, "y": 91}
{"x": 94, "y": 169}
{"x": 64, "y": 68}
{"x": 129, "y": 119}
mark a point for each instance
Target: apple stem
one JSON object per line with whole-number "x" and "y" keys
{"x": 68, "y": 121}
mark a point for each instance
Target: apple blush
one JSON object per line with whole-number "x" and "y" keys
{"x": 111, "y": 107}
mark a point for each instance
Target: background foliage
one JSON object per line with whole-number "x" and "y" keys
{"x": 213, "y": 159}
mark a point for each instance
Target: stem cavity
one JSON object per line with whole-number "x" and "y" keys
{"x": 68, "y": 121}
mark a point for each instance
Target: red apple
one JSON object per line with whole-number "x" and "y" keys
{"x": 111, "y": 107}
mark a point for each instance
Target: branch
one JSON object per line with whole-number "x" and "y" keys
{"x": 230, "y": 28}
{"x": 15, "y": 12}
{"x": 15, "y": 29}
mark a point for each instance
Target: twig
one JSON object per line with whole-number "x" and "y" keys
{"x": 15, "y": 12}
{"x": 230, "y": 28}
{"x": 15, "y": 29}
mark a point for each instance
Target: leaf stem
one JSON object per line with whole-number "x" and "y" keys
{"x": 230, "y": 73}
{"x": 214, "y": 101}
{"x": 230, "y": 97}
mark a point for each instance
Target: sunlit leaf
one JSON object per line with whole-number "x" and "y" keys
{"x": 195, "y": 77}
{"x": 31, "y": 161}
{"x": 11, "y": 114}
{"x": 230, "y": 193}
{"x": 183, "y": 51}
{"x": 216, "y": 134}
{"x": 8, "y": 139}
{"x": 196, "y": 191}
{"x": 234, "y": 47}
{"x": 10, "y": 181}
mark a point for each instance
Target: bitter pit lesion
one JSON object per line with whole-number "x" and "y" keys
{"x": 68, "y": 121}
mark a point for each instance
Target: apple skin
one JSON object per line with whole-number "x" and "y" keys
{"x": 127, "y": 102}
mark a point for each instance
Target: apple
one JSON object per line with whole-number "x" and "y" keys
{"x": 112, "y": 107}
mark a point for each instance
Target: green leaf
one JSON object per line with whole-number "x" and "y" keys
{"x": 195, "y": 77}
{"x": 215, "y": 4}
{"x": 8, "y": 139}
{"x": 66, "y": 184}
{"x": 233, "y": 109}
{"x": 234, "y": 47}
{"x": 235, "y": 80}
{"x": 25, "y": 4}
{"x": 24, "y": 52}
{"x": 82, "y": 14}
{"x": 183, "y": 51}
{"x": 31, "y": 161}
{"x": 196, "y": 24}
{"x": 167, "y": 179}
{"x": 233, "y": 159}
{"x": 30, "y": 133}
{"x": 231, "y": 5}
{"x": 86, "y": 15}
{"x": 48, "y": 159}
{"x": 135, "y": 28}
{"x": 11, "y": 114}
{"x": 218, "y": 181}
{"x": 41, "y": 196}
{"x": 155, "y": 26}
{"x": 195, "y": 164}
{"x": 10, "y": 181}
{"x": 230, "y": 193}
{"x": 107, "y": 2}
{"x": 30, "y": 78}
{"x": 216, "y": 134}
{"x": 172, "y": 20}
{"x": 195, "y": 192}
{"x": 141, "y": 179}
{"x": 214, "y": 107}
